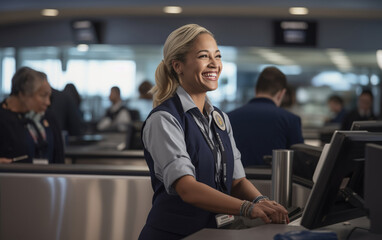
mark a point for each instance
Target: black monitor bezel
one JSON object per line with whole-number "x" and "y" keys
{"x": 371, "y": 126}
{"x": 319, "y": 210}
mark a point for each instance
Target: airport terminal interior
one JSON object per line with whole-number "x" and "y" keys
{"x": 103, "y": 191}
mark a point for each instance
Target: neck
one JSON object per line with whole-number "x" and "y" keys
{"x": 264, "y": 95}
{"x": 15, "y": 104}
{"x": 199, "y": 100}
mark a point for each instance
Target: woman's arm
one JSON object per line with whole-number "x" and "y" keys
{"x": 207, "y": 198}
{"x": 5, "y": 160}
{"x": 243, "y": 189}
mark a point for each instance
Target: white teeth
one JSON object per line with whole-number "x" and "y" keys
{"x": 210, "y": 74}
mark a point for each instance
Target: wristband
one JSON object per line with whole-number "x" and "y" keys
{"x": 260, "y": 198}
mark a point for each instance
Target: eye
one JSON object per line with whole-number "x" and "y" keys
{"x": 203, "y": 56}
{"x": 218, "y": 56}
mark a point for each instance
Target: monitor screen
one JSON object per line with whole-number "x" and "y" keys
{"x": 337, "y": 195}
{"x": 370, "y": 126}
{"x": 305, "y": 159}
{"x": 295, "y": 33}
{"x": 86, "y": 32}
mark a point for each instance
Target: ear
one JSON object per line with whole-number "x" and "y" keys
{"x": 177, "y": 66}
{"x": 279, "y": 96}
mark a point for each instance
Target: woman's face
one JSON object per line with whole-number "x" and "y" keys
{"x": 39, "y": 101}
{"x": 202, "y": 67}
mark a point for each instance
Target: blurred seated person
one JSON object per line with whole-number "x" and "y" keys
{"x": 71, "y": 90}
{"x": 65, "y": 110}
{"x": 145, "y": 101}
{"x": 27, "y": 131}
{"x": 261, "y": 125}
{"x": 117, "y": 116}
{"x": 363, "y": 111}
{"x": 336, "y": 107}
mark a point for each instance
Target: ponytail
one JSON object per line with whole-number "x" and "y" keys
{"x": 176, "y": 47}
{"x": 166, "y": 84}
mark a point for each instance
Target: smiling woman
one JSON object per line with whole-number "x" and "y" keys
{"x": 195, "y": 167}
{"x": 27, "y": 133}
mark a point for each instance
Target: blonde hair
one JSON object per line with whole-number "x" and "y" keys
{"x": 176, "y": 47}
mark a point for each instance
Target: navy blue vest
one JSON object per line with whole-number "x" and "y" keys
{"x": 170, "y": 213}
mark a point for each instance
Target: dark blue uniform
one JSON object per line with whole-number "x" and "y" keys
{"x": 260, "y": 126}
{"x": 171, "y": 217}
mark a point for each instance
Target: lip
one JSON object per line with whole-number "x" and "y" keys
{"x": 211, "y": 75}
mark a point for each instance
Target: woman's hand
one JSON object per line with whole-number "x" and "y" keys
{"x": 5, "y": 160}
{"x": 270, "y": 212}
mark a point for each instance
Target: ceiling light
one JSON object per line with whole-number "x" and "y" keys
{"x": 339, "y": 58}
{"x": 274, "y": 57}
{"x": 298, "y": 11}
{"x": 172, "y": 9}
{"x": 49, "y": 12}
{"x": 82, "y": 47}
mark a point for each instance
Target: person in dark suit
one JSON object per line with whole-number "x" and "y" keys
{"x": 27, "y": 132}
{"x": 261, "y": 125}
{"x": 65, "y": 110}
{"x": 363, "y": 111}
{"x": 336, "y": 106}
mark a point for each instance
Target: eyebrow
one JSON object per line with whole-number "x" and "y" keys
{"x": 207, "y": 51}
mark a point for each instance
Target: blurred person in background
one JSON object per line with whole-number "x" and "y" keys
{"x": 71, "y": 90}
{"x": 144, "y": 103}
{"x": 336, "y": 107}
{"x": 262, "y": 125}
{"x": 117, "y": 116}
{"x": 65, "y": 107}
{"x": 27, "y": 132}
{"x": 363, "y": 111}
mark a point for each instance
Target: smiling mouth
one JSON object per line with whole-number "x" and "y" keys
{"x": 210, "y": 75}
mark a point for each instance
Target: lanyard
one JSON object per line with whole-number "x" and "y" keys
{"x": 41, "y": 144}
{"x": 220, "y": 176}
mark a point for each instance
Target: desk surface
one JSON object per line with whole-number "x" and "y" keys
{"x": 262, "y": 232}
{"x": 106, "y": 148}
{"x": 268, "y": 231}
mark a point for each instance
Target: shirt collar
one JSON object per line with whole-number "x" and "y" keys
{"x": 263, "y": 100}
{"x": 188, "y": 103}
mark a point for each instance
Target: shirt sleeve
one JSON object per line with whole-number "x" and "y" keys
{"x": 122, "y": 120}
{"x": 238, "y": 170}
{"x": 163, "y": 138}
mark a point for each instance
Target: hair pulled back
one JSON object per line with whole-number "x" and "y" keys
{"x": 176, "y": 47}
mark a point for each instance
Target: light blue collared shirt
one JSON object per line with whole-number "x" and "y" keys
{"x": 163, "y": 138}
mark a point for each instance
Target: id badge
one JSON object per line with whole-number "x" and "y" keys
{"x": 41, "y": 161}
{"x": 223, "y": 220}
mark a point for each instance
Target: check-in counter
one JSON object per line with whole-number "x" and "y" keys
{"x": 77, "y": 202}
{"x": 107, "y": 148}
{"x": 85, "y": 202}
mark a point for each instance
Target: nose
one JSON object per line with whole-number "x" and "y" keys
{"x": 213, "y": 63}
{"x": 47, "y": 101}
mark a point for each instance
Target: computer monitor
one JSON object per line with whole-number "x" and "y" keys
{"x": 337, "y": 194}
{"x": 370, "y": 126}
{"x": 305, "y": 159}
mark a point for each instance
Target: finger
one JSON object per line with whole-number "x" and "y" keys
{"x": 271, "y": 206}
{"x": 277, "y": 217}
{"x": 258, "y": 212}
{"x": 276, "y": 206}
{"x": 284, "y": 219}
{"x": 266, "y": 218}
